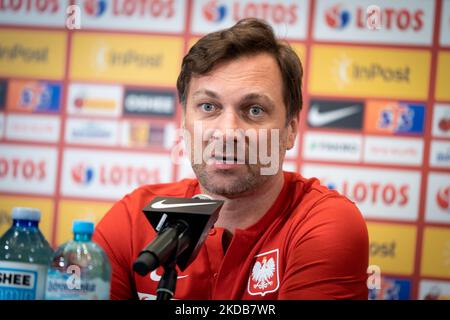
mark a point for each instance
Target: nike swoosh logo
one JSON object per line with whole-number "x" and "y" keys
{"x": 162, "y": 205}
{"x": 156, "y": 277}
{"x": 317, "y": 118}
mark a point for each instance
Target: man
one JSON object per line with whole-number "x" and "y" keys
{"x": 278, "y": 235}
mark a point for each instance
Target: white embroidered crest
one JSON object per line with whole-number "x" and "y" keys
{"x": 264, "y": 275}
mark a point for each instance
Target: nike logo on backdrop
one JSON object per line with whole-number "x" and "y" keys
{"x": 156, "y": 277}
{"x": 162, "y": 205}
{"x": 317, "y": 118}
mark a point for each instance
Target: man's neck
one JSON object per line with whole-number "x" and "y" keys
{"x": 243, "y": 212}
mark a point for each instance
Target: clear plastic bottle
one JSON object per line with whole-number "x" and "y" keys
{"x": 80, "y": 269}
{"x": 24, "y": 257}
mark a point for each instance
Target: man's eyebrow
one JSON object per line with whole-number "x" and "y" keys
{"x": 209, "y": 93}
{"x": 257, "y": 96}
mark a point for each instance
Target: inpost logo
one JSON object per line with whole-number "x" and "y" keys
{"x": 24, "y": 53}
{"x": 369, "y": 72}
{"x": 436, "y": 252}
{"x": 350, "y": 70}
{"x": 392, "y": 247}
{"x": 443, "y": 76}
{"x": 108, "y": 56}
{"x": 128, "y": 59}
{"x": 32, "y": 53}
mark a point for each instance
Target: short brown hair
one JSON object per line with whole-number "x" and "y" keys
{"x": 247, "y": 37}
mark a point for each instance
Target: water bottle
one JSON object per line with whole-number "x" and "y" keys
{"x": 80, "y": 269}
{"x": 24, "y": 257}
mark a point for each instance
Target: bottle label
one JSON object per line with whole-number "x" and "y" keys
{"x": 73, "y": 286}
{"x": 22, "y": 281}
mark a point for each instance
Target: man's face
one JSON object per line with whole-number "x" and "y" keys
{"x": 244, "y": 95}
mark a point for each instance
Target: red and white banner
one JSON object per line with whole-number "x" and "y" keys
{"x": 27, "y": 169}
{"x": 378, "y": 193}
{"x": 111, "y": 174}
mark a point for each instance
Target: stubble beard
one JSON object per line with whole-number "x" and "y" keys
{"x": 233, "y": 184}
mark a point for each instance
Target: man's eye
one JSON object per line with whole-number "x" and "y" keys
{"x": 207, "y": 107}
{"x": 256, "y": 111}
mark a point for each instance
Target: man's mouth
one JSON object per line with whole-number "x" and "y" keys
{"x": 227, "y": 159}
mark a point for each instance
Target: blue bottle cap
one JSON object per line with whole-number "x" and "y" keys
{"x": 22, "y": 213}
{"x": 86, "y": 227}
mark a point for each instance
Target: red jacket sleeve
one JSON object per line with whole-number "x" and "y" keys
{"x": 113, "y": 234}
{"x": 328, "y": 258}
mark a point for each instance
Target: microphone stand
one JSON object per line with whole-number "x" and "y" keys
{"x": 176, "y": 242}
{"x": 168, "y": 282}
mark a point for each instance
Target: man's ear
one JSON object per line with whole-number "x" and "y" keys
{"x": 292, "y": 133}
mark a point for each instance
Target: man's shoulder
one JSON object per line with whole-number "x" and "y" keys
{"x": 311, "y": 194}
{"x": 324, "y": 212}
{"x": 309, "y": 189}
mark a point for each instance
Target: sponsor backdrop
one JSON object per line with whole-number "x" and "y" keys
{"x": 89, "y": 114}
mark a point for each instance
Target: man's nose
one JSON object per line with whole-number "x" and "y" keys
{"x": 229, "y": 120}
{"x": 228, "y": 127}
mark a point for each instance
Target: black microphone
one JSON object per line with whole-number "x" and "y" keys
{"x": 182, "y": 225}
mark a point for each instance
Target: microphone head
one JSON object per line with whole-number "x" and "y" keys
{"x": 202, "y": 196}
{"x": 199, "y": 213}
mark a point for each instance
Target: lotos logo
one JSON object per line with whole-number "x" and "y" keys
{"x": 391, "y": 18}
{"x": 26, "y": 169}
{"x": 214, "y": 12}
{"x": 336, "y": 17}
{"x": 444, "y": 124}
{"x": 82, "y": 174}
{"x": 443, "y": 198}
{"x": 387, "y": 194}
{"x": 274, "y": 13}
{"x": 390, "y": 194}
{"x": 113, "y": 173}
{"x": 394, "y": 18}
{"x": 441, "y": 120}
{"x": 95, "y": 7}
{"x": 116, "y": 175}
{"x": 39, "y": 6}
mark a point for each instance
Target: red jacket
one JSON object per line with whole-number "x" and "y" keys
{"x": 311, "y": 244}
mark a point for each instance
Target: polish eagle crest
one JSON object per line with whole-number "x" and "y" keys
{"x": 264, "y": 273}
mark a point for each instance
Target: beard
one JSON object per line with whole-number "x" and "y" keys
{"x": 251, "y": 172}
{"x": 230, "y": 183}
